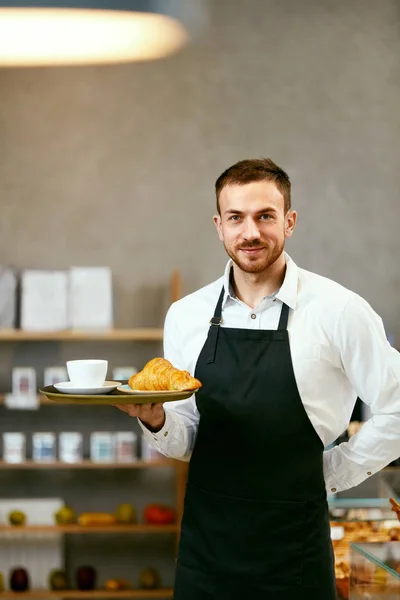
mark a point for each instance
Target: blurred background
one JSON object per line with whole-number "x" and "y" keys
{"x": 114, "y": 166}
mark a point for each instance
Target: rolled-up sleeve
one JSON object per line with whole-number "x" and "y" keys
{"x": 176, "y": 439}
{"x": 373, "y": 369}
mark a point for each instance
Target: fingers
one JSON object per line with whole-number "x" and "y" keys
{"x": 142, "y": 411}
{"x": 131, "y": 409}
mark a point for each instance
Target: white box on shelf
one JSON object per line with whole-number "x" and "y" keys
{"x": 44, "y": 300}
{"x": 24, "y": 390}
{"x": 90, "y": 298}
{"x": 38, "y": 511}
{"x": 43, "y": 447}
{"x": 125, "y": 446}
{"x": 14, "y": 447}
{"x": 21, "y": 402}
{"x": 8, "y": 297}
{"x": 24, "y": 381}
{"x": 102, "y": 446}
{"x": 70, "y": 447}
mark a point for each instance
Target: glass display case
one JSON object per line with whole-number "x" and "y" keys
{"x": 368, "y": 501}
{"x": 360, "y": 515}
{"x": 374, "y": 571}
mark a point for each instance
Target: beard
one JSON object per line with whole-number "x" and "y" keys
{"x": 256, "y": 264}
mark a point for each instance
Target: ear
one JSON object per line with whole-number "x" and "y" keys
{"x": 290, "y": 223}
{"x": 218, "y": 225}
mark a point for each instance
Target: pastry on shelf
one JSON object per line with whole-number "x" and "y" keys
{"x": 395, "y": 507}
{"x": 160, "y": 375}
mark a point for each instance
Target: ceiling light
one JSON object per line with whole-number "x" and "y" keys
{"x": 91, "y": 32}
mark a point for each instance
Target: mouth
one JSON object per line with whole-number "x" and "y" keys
{"x": 252, "y": 251}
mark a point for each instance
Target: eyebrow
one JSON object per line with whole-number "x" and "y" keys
{"x": 233, "y": 211}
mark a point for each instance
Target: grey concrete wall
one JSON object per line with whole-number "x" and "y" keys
{"x": 116, "y": 165}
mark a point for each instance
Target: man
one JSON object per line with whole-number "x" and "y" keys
{"x": 282, "y": 354}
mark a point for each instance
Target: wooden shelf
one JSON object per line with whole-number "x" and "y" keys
{"x": 78, "y": 529}
{"x": 76, "y": 594}
{"x": 128, "y": 335}
{"x": 44, "y": 401}
{"x": 87, "y": 464}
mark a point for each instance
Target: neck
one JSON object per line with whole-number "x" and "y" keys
{"x": 251, "y": 288}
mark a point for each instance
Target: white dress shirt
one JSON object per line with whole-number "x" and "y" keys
{"x": 339, "y": 351}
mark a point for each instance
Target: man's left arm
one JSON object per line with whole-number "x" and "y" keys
{"x": 373, "y": 368}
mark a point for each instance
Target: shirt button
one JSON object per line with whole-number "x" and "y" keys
{"x": 253, "y": 316}
{"x": 165, "y": 434}
{"x": 333, "y": 490}
{"x": 369, "y": 473}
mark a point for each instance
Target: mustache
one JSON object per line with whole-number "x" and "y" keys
{"x": 255, "y": 244}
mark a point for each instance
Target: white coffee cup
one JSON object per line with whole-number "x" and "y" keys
{"x": 87, "y": 373}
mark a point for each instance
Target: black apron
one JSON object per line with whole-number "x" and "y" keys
{"x": 255, "y": 522}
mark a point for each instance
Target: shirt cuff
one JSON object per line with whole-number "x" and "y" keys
{"x": 341, "y": 473}
{"x": 157, "y": 438}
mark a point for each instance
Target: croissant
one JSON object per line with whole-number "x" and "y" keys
{"x": 159, "y": 374}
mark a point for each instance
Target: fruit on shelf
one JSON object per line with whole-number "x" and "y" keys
{"x": 19, "y": 580}
{"x": 126, "y": 514}
{"x": 96, "y": 518}
{"x": 149, "y": 579}
{"x": 111, "y": 585}
{"x": 58, "y": 580}
{"x": 115, "y": 585}
{"x": 65, "y": 515}
{"x": 86, "y": 577}
{"x": 159, "y": 514}
{"x": 17, "y": 518}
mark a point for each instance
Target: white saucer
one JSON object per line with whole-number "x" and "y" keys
{"x": 66, "y": 387}
{"x": 154, "y": 396}
{"x": 126, "y": 389}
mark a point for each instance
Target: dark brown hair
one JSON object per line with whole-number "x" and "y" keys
{"x": 255, "y": 169}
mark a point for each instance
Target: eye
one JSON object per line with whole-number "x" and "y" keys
{"x": 234, "y": 218}
{"x": 265, "y": 217}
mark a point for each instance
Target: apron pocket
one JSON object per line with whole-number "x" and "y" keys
{"x": 193, "y": 585}
{"x": 243, "y": 537}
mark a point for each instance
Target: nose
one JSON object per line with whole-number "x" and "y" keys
{"x": 250, "y": 230}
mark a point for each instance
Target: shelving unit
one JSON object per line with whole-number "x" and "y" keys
{"x": 76, "y": 594}
{"x": 112, "y": 335}
{"x": 150, "y": 335}
{"x": 87, "y": 464}
{"x": 44, "y": 401}
{"x": 79, "y": 529}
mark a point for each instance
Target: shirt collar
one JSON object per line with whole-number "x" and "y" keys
{"x": 288, "y": 291}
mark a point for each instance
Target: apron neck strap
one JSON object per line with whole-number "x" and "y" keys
{"x": 283, "y": 321}
{"x": 218, "y": 309}
{"x": 215, "y": 323}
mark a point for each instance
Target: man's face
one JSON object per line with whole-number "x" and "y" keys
{"x": 253, "y": 225}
